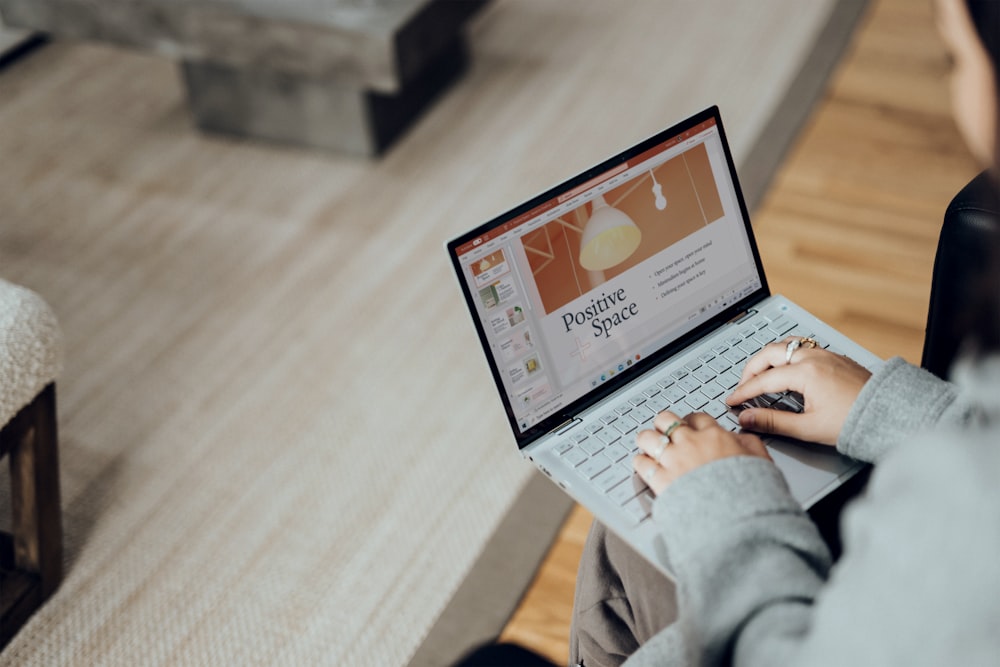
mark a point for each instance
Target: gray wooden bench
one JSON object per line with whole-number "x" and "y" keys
{"x": 347, "y": 75}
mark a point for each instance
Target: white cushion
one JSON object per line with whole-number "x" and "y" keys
{"x": 30, "y": 348}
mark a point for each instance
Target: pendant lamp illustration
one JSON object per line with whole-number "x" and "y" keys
{"x": 661, "y": 200}
{"x": 609, "y": 237}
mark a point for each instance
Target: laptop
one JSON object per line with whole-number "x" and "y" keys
{"x": 634, "y": 287}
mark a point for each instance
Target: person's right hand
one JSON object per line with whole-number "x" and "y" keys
{"x": 829, "y": 382}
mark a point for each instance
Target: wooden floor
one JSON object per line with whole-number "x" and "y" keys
{"x": 848, "y": 230}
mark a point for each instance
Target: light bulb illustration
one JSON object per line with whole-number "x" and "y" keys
{"x": 661, "y": 201}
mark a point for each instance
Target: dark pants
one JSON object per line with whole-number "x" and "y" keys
{"x": 621, "y": 601}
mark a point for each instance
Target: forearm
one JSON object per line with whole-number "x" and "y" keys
{"x": 748, "y": 561}
{"x": 899, "y": 400}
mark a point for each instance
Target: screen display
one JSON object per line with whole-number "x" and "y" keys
{"x": 588, "y": 282}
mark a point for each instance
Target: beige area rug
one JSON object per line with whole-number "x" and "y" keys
{"x": 280, "y": 444}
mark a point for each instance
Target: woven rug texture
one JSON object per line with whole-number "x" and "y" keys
{"x": 280, "y": 444}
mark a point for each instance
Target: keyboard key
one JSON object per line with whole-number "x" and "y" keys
{"x": 704, "y": 375}
{"x": 617, "y": 452}
{"x": 665, "y": 382}
{"x": 730, "y": 421}
{"x": 746, "y": 331}
{"x": 658, "y": 404}
{"x": 781, "y": 325}
{"x": 609, "y": 435}
{"x": 609, "y": 417}
{"x": 623, "y": 409}
{"x": 696, "y": 401}
{"x": 627, "y": 490}
{"x": 575, "y": 456}
{"x": 750, "y": 347}
{"x": 678, "y": 374}
{"x": 592, "y": 446}
{"x": 594, "y": 466}
{"x": 719, "y": 364}
{"x": 626, "y": 425}
{"x": 689, "y": 384}
{"x": 692, "y": 364}
{"x": 637, "y": 400}
{"x": 719, "y": 349}
{"x": 705, "y": 357}
{"x": 674, "y": 394}
{"x": 735, "y": 355}
{"x": 635, "y": 510}
{"x": 765, "y": 337}
{"x": 734, "y": 340}
{"x": 643, "y": 414}
{"x": 800, "y": 332}
{"x": 564, "y": 446}
{"x": 729, "y": 379}
{"x": 610, "y": 478}
{"x": 716, "y": 409}
{"x": 756, "y": 402}
{"x": 713, "y": 389}
{"x": 651, "y": 392}
{"x": 594, "y": 428}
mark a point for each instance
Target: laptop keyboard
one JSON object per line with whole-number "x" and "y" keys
{"x": 601, "y": 452}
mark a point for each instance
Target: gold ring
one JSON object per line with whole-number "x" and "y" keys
{"x": 808, "y": 342}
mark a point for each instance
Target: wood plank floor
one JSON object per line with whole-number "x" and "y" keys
{"x": 848, "y": 230}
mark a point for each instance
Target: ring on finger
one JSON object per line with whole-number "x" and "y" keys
{"x": 808, "y": 343}
{"x": 790, "y": 348}
{"x": 667, "y": 432}
{"x": 650, "y": 472}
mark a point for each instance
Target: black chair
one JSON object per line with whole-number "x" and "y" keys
{"x": 970, "y": 230}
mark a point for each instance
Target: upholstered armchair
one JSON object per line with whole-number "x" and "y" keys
{"x": 31, "y": 554}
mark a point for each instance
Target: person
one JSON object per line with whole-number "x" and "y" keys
{"x": 919, "y": 579}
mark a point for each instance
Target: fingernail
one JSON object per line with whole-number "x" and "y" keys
{"x": 746, "y": 419}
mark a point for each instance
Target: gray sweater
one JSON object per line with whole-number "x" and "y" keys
{"x": 919, "y": 582}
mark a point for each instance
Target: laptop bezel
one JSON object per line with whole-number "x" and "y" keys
{"x": 615, "y": 384}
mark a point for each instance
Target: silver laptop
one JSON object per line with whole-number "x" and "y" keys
{"x": 631, "y": 288}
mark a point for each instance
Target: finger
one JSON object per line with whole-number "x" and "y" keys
{"x": 775, "y": 355}
{"x": 754, "y": 445}
{"x": 766, "y": 420}
{"x": 651, "y": 472}
{"x": 699, "y": 421}
{"x": 774, "y": 381}
{"x": 663, "y": 420}
{"x": 651, "y": 443}
{"x": 770, "y": 356}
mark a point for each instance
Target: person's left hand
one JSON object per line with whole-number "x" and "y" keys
{"x": 696, "y": 441}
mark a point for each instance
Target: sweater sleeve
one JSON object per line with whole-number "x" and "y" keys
{"x": 917, "y": 584}
{"x": 746, "y": 558}
{"x": 898, "y": 401}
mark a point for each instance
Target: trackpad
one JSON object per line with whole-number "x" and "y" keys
{"x": 809, "y": 468}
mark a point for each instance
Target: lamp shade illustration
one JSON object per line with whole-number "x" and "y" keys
{"x": 609, "y": 237}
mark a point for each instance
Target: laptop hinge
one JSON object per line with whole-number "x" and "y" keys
{"x": 567, "y": 425}
{"x": 743, "y": 316}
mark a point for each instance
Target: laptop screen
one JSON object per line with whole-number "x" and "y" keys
{"x": 579, "y": 289}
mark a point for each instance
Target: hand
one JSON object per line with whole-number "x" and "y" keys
{"x": 830, "y": 383}
{"x": 697, "y": 441}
